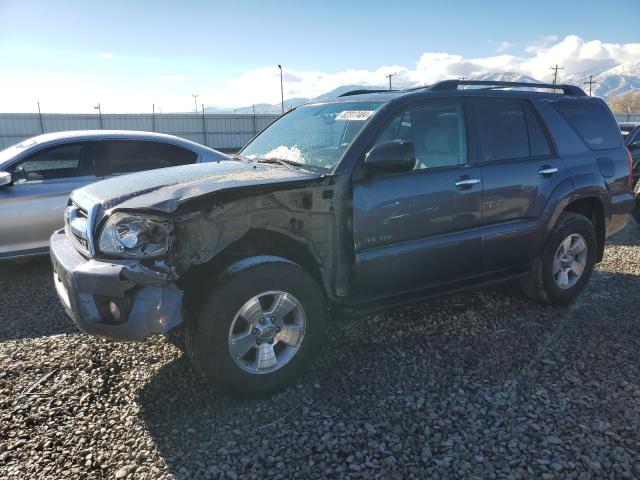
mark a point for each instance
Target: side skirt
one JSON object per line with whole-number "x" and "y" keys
{"x": 367, "y": 307}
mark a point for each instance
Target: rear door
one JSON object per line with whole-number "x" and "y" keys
{"x": 520, "y": 170}
{"x": 117, "y": 157}
{"x": 33, "y": 206}
{"x": 416, "y": 228}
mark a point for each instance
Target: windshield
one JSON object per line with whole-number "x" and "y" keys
{"x": 12, "y": 151}
{"x": 314, "y": 135}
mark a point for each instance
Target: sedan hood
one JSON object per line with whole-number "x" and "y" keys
{"x": 167, "y": 188}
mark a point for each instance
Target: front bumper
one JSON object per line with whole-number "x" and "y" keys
{"x": 146, "y": 300}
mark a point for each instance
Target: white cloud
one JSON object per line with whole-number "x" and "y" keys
{"x": 106, "y": 55}
{"x": 503, "y": 46}
{"x": 76, "y": 93}
{"x": 578, "y": 56}
{"x": 541, "y": 43}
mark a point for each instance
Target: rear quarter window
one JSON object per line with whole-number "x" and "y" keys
{"x": 592, "y": 122}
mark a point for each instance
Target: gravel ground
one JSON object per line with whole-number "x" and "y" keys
{"x": 485, "y": 385}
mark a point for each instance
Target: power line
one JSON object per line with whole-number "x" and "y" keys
{"x": 389, "y": 77}
{"x": 555, "y": 69}
{"x": 590, "y": 82}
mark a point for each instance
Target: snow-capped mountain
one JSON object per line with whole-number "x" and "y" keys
{"x": 611, "y": 82}
{"x": 608, "y": 83}
{"x": 507, "y": 77}
{"x": 276, "y": 108}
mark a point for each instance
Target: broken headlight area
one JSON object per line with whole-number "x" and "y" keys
{"x": 136, "y": 236}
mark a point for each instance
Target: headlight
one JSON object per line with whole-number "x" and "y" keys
{"x": 135, "y": 236}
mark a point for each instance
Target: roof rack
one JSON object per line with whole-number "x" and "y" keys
{"x": 448, "y": 85}
{"x": 362, "y": 91}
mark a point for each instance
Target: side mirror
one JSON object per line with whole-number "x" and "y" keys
{"x": 634, "y": 145}
{"x": 391, "y": 156}
{"x": 5, "y": 179}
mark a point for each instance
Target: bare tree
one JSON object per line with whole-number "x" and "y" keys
{"x": 626, "y": 103}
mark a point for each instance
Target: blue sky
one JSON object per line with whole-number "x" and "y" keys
{"x": 117, "y": 52}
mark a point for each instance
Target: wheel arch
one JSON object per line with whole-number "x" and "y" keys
{"x": 593, "y": 208}
{"x": 591, "y": 204}
{"x": 257, "y": 246}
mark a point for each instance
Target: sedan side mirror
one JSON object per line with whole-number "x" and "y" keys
{"x": 5, "y": 179}
{"x": 391, "y": 156}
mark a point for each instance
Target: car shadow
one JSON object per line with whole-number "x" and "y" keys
{"x": 628, "y": 236}
{"x": 30, "y": 307}
{"x": 490, "y": 352}
{"x": 444, "y": 346}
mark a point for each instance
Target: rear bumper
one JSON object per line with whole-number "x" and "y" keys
{"x": 145, "y": 301}
{"x": 619, "y": 212}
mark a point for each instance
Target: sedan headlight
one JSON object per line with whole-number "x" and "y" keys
{"x": 135, "y": 236}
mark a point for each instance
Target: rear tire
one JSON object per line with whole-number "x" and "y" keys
{"x": 564, "y": 268}
{"x": 259, "y": 328}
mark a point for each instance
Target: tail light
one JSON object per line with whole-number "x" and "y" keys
{"x": 630, "y": 169}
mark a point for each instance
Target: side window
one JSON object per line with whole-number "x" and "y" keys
{"x": 126, "y": 156}
{"x": 510, "y": 129}
{"x": 592, "y": 122}
{"x": 503, "y": 129}
{"x": 538, "y": 142}
{"x": 167, "y": 155}
{"x": 437, "y": 132}
{"x": 55, "y": 163}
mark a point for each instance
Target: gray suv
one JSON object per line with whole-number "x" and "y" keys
{"x": 37, "y": 175}
{"x": 351, "y": 205}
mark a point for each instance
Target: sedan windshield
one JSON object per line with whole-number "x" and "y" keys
{"x": 314, "y": 135}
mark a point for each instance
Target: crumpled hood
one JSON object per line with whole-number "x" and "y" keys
{"x": 166, "y": 188}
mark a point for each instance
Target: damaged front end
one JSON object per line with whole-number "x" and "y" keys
{"x": 118, "y": 299}
{"x": 130, "y": 281}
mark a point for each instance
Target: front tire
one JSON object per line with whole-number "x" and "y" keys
{"x": 259, "y": 328}
{"x": 563, "y": 270}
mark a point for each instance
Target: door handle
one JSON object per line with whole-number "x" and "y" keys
{"x": 547, "y": 171}
{"x": 465, "y": 183}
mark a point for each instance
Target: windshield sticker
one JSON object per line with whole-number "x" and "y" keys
{"x": 357, "y": 115}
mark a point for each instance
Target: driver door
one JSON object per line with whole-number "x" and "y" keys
{"x": 415, "y": 229}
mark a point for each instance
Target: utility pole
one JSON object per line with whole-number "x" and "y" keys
{"x": 281, "y": 89}
{"x": 463, "y": 79}
{"x": 555, "y": 69}
{"x": 153, "y": 116}
{"x": 254, "y": 119}
{"x": 389, "y": 75}
{"x": 40, "y": 117}
{"x": 591, "y": 82}
{"x": 195, "y": 101}
{"x": 204, "y": 127}
{"x": 97, "y": 107}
